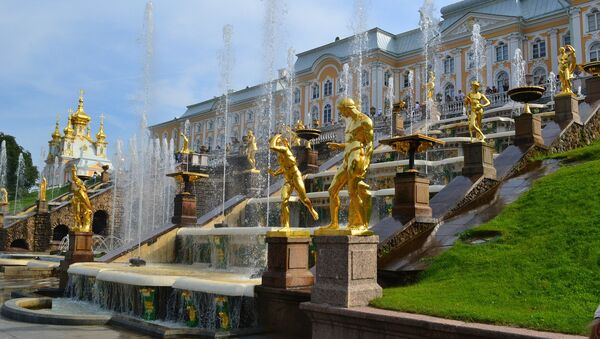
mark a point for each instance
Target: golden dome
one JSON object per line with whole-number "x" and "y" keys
{"x": 80, "y": 117}
{"x": 100, "y": 136}
{"x": 56, "y": 135}
{"x": 69, "y": 129}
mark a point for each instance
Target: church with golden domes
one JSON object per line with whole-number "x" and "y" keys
{"x": 76, "y": 147}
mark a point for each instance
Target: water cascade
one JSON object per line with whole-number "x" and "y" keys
{"x": 345, "y": 80}
{"x": 20, "y": 177}
{"x": 477, "y": 52}
{"x": 552, "y": 82}
{"x": 409, "y": 104}
{"x": 225, "y": 65}
{"x": 358, "y": 47}
{"x": 289, "y": 85}
{"x": 390, "y": 96}
{"x": 518, "y": 69}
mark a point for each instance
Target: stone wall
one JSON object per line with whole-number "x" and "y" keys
{"x": 576, "y": 135}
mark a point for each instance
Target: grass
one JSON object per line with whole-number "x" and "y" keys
{"x": 542, "y": 273}
{"x": 591, "y": 152}
{"x": 30, "y": 198}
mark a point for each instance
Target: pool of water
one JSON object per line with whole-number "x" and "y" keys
{"x": 9, "y": 285}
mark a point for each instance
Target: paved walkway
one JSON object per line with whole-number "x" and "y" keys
{"x": 10, "y": 329}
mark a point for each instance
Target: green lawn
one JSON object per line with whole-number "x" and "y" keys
{"x": 30, "y": 199}
{"x": 542, "y": 273}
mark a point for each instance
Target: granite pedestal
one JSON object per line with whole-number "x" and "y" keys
{"x": 478, "y": 160}
{"x": 592, "y": 86}
{"x": 566, "y": 109}
{"x": 306, "y": 159}
{"x": 42, "y": 206}
{"x": 411, "y": 197}
{"x": 287, "y": 263}
{"x": 528, "y": 130}
{"x": 346, "y": 270}
{"x": 80, "y": 250}
{"x": 184, "y": 209}
{"x": 397, "y": 124}
{"x": 249, "y": 180}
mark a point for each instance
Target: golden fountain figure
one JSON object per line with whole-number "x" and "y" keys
{"x": 43, "y": 186}
{"x": 358, "y": 148}
{"x": 3, "y": 196}
{"x": 185, "y": 148}
{"x": 80, "y": 203}
{"x": 567, "y": 62}
{"x": 251, "y": 151}
{"x": 476, "y": 101}
{"x": 431, "y": 85}
{"x": 293, "y": 180}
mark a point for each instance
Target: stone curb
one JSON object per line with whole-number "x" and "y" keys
{"x": 19, "y": 310}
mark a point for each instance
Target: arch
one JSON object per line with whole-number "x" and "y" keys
{"x": 449, "y": 92}
{"x": 502, "y": 81}
{"x": 448, "y": 64}
{"x": 593, "y": 20}
{"x": 539, "y": 76}
{"x": 100, "y": 223}
{"x": 324, "y": 61}
{"x": 59, "y": 232}
{"x": 594, "y": 51}
{"x": 19, "y": 243}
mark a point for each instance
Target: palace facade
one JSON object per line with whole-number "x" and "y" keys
{"x": 538, "y": 27}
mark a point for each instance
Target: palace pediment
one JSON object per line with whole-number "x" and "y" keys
{"x": 463, "y": 26}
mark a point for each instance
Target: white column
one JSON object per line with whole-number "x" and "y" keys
{"x": 397, "y": 84}
{"x": 307, "y": 96}
{"x": 491, "y": 57}
{"x": 575, "y": 28}
{"x": 514, "y": 42}
{"x": 377, "y": 87}
{"x": 554, "y": 49}
{"x": 458, "y": 70}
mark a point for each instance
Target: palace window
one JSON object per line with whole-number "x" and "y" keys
{"x": 386, "y": 106}
{"x": 198, "y": 127}
{"x": 211, "y": 124}
{"x": 327, "y": 114}
{"x": 539, "y": 76}
{"x": 386, "y": 78}
{"x": 406, "y": 81}
{"x": 593, "y": 20}
{"x": 210, "y": 141}
{"x": 364, "y": 104}
{"x": 595, "y": 51}
{"x": 448, "y": 65}
{"x": 314, "y": 114}
{"x": 449, "y": 92}
{"x": 249, "y": 116}
{"x": 470, "y": 60}
{"x": 502, "y": 81}
{"x": 364, "y": 79}
{"x": 327, "y": 88}
{"x": 297, "y": 96}
{"x": 236, "y": 118}
{"x": 501, "y": 51}
{"x": 539, "y": 48}
{"x": 315, "y": 91}
{"x": 566, "y": 39}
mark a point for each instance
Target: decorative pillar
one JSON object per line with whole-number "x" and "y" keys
{"x": 514, "y": 42}
{"x": 553, "y": 32}
{"x": 287, "y": 261}
{"x": 575, "y": 29}
{"x": 80, "y": 250}
{"x": 528, "y": 130}
{"x": 478, "y": 160}
{"x": 566, "y": 108}
{"x": 458, "y": 69}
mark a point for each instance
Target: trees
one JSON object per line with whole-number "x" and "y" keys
{"x": 12, "y": 156}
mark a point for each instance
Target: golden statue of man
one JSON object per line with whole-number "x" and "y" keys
{"x": 43, "y": 187}
{"x": 293, "y": 179}
{"x": 251, "y": 150}
{"x": 567, "y": 62}
{"x": 358, "y": 148}
{"x": 3, "y": 196}
{"x": 185, "y": 148}
{"x": 80, "y": 203}
{"x": 431, "y": 85}
{"x": 477, "y": 101}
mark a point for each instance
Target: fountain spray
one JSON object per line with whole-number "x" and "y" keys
{"x": 225, "y": 65}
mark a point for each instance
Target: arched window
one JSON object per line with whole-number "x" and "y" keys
{"x": 539, "y": 76}
{"x": 249, "y": 116}
{"x": 566, "y": 39}
{"x": 539, "y": 48}
{"x": 502, "y": 81}
{"x": 236, "y": 118}
{"x": 327, "y": 88}
{"x": 198, "y": 127}
{"x": 297, "y": 96}
{"x": 197, "y": 143}
{"x": 364, "y": 79}
{"x": 448, "y": 65}
{"x": 386, "y": 78}
{"x": 595, "y": 51}
{"x": 593, "y": 20}
{"x": 327, "y": 114}
{"x": 315, "y": 91}
{"x": 501, "y": 51}
{"x": 364, "y": 104}
{"x": 406, "y": 81}
{"x": 449, "y": 92}
{"x": 211, "y": 124}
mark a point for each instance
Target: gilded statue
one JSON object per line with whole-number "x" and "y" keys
{"x": 300, "y": 125}
{"x": 293, "y": 179}
{"x": 477, "y": 101}
{"x": 567, "y": 62}
{"x": 82, "y": 208}
{"x": 251, "y": 151}
{"x": 431, "y": 85}
{"x": 185, "y": 148}
{"x": 3, "y": 196}
{"x": 358, "y": 148}
{"x": 43, "y": 187}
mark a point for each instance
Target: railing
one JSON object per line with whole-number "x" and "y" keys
{"x": 455, "y": 108}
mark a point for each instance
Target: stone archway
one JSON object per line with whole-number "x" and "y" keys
{"x": 59, "y": 232}
{"x": 100, "y": 223}
{"x": 19, "y": 244}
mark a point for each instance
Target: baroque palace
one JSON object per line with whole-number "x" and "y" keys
{"x": 538, "y": 27}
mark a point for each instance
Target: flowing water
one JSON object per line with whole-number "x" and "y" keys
{"x": 358, "y": 45}
{"x": 518, "y": 69}
{"x": 3, "y": 164}
{"x": 225, "y": 65}
{"x": 20, "y": 177}
{"x": 390, "y": 97}
{"x": 477, "y": 51}
{"x": 345, "y": 80}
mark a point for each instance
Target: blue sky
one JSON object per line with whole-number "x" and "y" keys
{"x": 51, "y": 49}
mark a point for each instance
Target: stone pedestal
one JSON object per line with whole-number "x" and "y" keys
{"x": 184, "y": 210}
{"x": 592, "y": 86}
{"x": 478, "y": 160}
{"x": 528, "y": 130}
{"x": 42, "y": 207}
{"x": 411, "y": 196}
{"x": 287, "y": 263}
{"x": 306, "y": 159}
{"x": 42, "y": 233}
{"x": 80, "y": 250}
{"x": 346, "y": 270}
{"x": 566, "y": 108}
{"x": 104, "y": 177}
{"x": 397, "y": 124}
{"x": 250, "y": 182}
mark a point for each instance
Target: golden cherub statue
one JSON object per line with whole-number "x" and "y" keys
{"x": 567, "y": 61}
{"x": 293, "y": 179}
{"x": 185, "y": 148}
{"x": 477, "y": 101}
{"x": 43, "y": 186}
{"x": 300, "y": 124}
{"x": 431, "y": 85}
{"x": 251, "y": 149}
{"x": 80, "y": 203}
{"x": 3, "y": 196}
{"x": 358, "y": 148}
